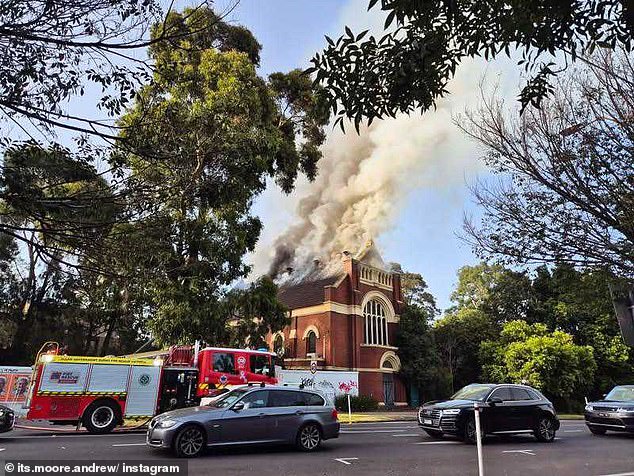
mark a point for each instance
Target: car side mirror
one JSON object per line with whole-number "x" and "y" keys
{"x": 604, "y": 395}
{"x": 495, "y": 400}
{"x": 238, "y": 407}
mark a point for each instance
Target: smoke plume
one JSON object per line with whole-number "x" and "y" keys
{"x": 364, "y": 180}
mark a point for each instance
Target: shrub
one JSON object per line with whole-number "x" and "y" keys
{"x": 362, "y": 403}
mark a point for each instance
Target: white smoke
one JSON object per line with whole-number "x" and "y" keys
{"x": 365, "y": 179}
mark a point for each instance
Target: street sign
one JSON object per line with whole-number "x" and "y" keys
{"x": 313, "y": 367}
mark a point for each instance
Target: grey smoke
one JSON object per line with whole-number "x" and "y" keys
{"x": 365, "y": 179}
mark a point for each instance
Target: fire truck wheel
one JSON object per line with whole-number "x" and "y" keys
{"x": 101, "y": 416}
{"x": 189, "y": 442}
{"x": 309, "y": 437}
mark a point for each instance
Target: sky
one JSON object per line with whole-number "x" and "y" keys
{"x": 424, "y": 220}
{"x": 423, "y": 233}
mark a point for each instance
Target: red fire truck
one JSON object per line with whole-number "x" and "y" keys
{"x": 100, "y": 392}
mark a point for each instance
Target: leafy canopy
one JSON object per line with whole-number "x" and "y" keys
{"x": 410, "y": 66}
{"x": 213, "y": 132}
{"x": 549, "y": 361}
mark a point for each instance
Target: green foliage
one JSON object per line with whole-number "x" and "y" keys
{"x": 56, "y": 49}
{"x": 500, "y": 293}
{"x": 216, "y": 132}
{"x": 458, "y": 336}
{"x": 415, "y": 291}
{"x": 361, "y": 403}
{"x": 549, "y": 361}
{"x": 152, "y": 247}
{"x": 409, "y": 67}
{"x": 418, "y": 354}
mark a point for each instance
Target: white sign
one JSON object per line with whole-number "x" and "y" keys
{"x": 329, "y": 382}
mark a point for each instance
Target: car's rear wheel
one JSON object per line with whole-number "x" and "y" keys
{"x": 189, "y": 442}
{"x": 545, "y": 431}
{"x": 434, "y": 433}
{"x": 309, "y": 437}
{"x": 469, "y": 432}
{"x": 597, "y": 431}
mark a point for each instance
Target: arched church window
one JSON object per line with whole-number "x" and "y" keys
{"x": 311, "y": 342}
{"x": 278, "y": 344}
{"x": 375, "y": 318}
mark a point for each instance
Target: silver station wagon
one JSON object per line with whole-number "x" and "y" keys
{"x": 247, "y": 415}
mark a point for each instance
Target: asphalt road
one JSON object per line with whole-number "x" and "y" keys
{"x": 363, "y": 448}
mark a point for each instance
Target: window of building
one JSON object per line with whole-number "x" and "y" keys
{"x": 311, "y": 342}
{"x": 224, "y": 363}
{"x": 375, "y": 318}
{"x": 278, "y": 344}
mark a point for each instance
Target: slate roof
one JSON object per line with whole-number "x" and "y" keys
{"x": 306, "y": 293}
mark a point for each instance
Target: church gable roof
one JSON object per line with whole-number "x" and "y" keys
{"x": 306, "y": 293}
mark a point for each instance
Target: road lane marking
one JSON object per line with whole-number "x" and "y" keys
{"x": 392, "y": 428}
{"x": 526, "y": 452}
{"x": 346, "y": 460}
{"x": 438, "y": 443}
{"x": 130, "y": 444}
{"x": 619, "y": 474}
{"x": 2, "y": 449}
{"x": 572, "y": 431}
{"x": 369, "y": 431}
{"x": 27, "y": 437}
{"x": 409, "y": 434}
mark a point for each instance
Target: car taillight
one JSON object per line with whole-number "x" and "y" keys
{"x": 335, "y": 415}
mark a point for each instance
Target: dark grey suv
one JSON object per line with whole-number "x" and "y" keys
{"x": 247, "y": 415}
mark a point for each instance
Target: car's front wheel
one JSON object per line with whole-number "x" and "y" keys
{"x": 469, "y": 433}
{"x": 189, "y": 442}
{"x": 545, "y": 431}
{"x": 309, "y": 437}
{"x": 597, "y": 431}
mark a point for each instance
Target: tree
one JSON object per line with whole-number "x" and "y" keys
{"x": 47, "y": 189}
{"x": 566, "y": 171}
{"x": 458, "y": 336}
{"x": 415, "y": 291}
{"x": 500, "y": 293}
{"x": 57, "y": 49}
{"x": 410, "y": 65}
{"x": 417, "y": 351}
{"x": 217, "y": 131}
{"x": 414, "y": 338}
{"x": 254, "y": 313}
{"x": 579, "y": 303}
{"x": 548, "y": 361}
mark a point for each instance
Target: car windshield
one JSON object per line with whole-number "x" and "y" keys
{"x": 623, "y": 394}
{"x": 472, "y": 392}
{"x": 228, "y": 398}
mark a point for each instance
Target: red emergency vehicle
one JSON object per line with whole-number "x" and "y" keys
{"x": 100, "y": 392}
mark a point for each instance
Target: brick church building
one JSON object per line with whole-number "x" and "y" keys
{"x": 346, "y": 319}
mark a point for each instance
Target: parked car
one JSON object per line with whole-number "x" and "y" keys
{"x": 7, "y": 419}
{"x": 506, "y": 409}
{"x": 248, "y": 415}
{"x": 615, "y": 412}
